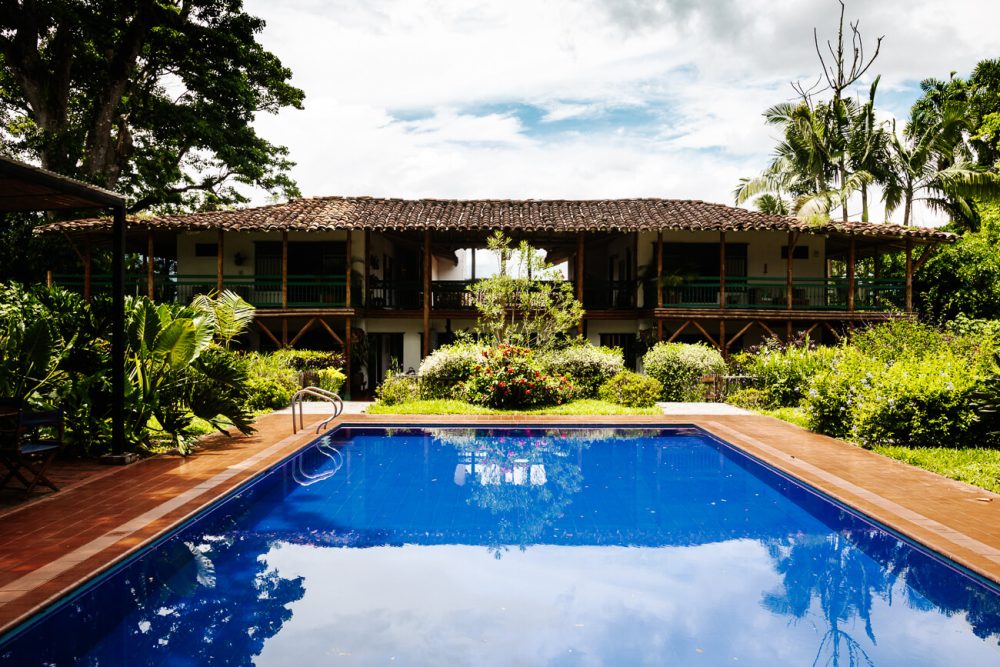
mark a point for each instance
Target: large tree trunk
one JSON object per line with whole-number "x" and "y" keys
{"x": 864, "y": 203}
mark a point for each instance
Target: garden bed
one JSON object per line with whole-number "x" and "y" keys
{"x": 452, "y": 407}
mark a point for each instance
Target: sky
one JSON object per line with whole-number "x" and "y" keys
{"x": 577, "y": 99}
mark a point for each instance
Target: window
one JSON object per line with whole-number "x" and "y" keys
{"x": 206, "y": 249}
{"x": 800, "y": 252}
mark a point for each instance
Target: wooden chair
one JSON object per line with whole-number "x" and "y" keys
{"x": 26, "y": 450}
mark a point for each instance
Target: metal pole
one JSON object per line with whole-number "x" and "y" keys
{"x": 118, "y": 332}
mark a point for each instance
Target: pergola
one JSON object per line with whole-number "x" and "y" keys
{"x": 27, "y": 188}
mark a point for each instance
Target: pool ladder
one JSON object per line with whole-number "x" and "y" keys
{"x": 323, "y": 395}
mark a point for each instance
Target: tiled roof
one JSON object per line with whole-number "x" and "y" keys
{"x": 330, "y": 213}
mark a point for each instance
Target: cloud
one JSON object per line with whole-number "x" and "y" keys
{"x": 573, "y": 98}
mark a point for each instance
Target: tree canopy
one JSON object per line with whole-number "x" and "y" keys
{"x": 153, "y": 98}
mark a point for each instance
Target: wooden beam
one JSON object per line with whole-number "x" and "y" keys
{"x": 909, "y": 275}
{"x": 284, "y": 332}
{"x": 220, "y": 249}
{"x": 723, "y": 347}
{"x": 580, "y": 250}
{"x": 766, "y": 328}
{"x": 284, "y": 269}
{"x": 722, "y": 270}
{"x": 851, "y": 259}
{"x": 150, "y": 281}
{"x": 924, "y": 256}
{"x": 636, "y": 286}
{"x": 49, "y": 281}
{"x": 427, "y": 294}
{"x": 347, "y": 278}
{"x": 705, "y": 333}
{"x": 347, "y": 358}
{"x": 304, "y": 329}
{"x": 793, "y": 238}
{"x": 333, "y": 334}
{"x": 739, "y": 334}
{"x": 835, "y": 333}
{"x": 810, "y": 329}
{"x": 677, "y": 333}
{"x": 659, "y": 274}
{"x": 788, "y": 331}
{"x": 659, "y": 330}
{"x": 270, "y": 335}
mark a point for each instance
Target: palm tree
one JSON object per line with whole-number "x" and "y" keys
{"x": 931, "y": 162}
{"x": 868, "y": 147}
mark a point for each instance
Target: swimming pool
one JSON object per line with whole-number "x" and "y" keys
{"x": 513, "y": 546}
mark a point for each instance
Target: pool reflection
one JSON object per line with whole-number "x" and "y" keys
{"x": 567, "y": 546}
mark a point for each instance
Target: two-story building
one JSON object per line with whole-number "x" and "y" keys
{"x": 656, "y": 269}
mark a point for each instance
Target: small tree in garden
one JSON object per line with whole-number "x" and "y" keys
{"x": 527, "y": 303}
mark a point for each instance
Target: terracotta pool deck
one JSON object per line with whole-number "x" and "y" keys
{"x": 50, "y": 545}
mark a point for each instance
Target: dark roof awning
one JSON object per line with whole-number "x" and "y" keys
{"x": 27, "y": 188}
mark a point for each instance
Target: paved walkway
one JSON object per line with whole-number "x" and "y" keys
{"x": 701, "y": 409}
{"x": 49, "y": 546}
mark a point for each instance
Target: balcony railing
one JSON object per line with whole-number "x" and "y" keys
{"x": 260, "y": 291}
{"x": 886, "y": 294}
{"x": 772, "y": 294}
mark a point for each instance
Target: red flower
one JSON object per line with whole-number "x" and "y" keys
{"x": 502, "y": 383}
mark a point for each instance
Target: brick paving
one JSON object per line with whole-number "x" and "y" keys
{"x": 50, "y": 545}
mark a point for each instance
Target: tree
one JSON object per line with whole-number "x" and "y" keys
{"x": 931, "y": 163}
{"x": 527, "y": 303}
{"x": 153, "y": 98}
{"x": 830, "y": 149}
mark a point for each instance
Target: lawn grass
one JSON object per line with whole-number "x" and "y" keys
{"x": 979, "y": 466}
{"x": 586, "y": 406}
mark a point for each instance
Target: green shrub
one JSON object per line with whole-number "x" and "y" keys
{"x": 750, "y": 398}
{"x": 272, "y": 383}
{"x": 783, "y": 373}
{"x": 919, "y": 402}
{"x": 631, "y": 389}
{"x": 308, "y": 360}
{"x": 680, "y": 368}
{"x": 447, "y": 367}
{"x": 398, "y": 388}
{"x": 509, "y": 377}
{"x": 331, "y": 379}
{"x": 588, "y": 366}
{"x": 833, "y": 393}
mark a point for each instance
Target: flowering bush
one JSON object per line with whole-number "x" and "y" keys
{"x": 782, "y": 372}
{"x": 680, "y": 368}
{"x": 447, "y": 367}
{"x": 510, "y": 377}
{"x": 588, "y": 366}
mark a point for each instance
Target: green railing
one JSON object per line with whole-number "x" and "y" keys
{"x": 610, "y": 294}
{"x": 772, "y": 294}
{"x": 261, "y": 291}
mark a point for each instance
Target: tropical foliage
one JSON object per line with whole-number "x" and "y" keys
{"x": 510, "y": 377}
{"x": 631, "y": 389}
{"x": 527, "y": 303}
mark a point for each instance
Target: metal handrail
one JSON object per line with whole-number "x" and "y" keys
{"x": 322, "y": 394}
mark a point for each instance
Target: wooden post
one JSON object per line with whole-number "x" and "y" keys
{"x": 722, "y": 270}
{"x": 284, "y": 332}
{"x": 851, "y": 254}
{"x": 347, "y": 278}
{"x": 427, "y": 293}
{"x": 723, "y": 345}
{"x": 88, "y": 263}
{"x": 579, "y": 266}
{"x": 218, "y": 261}
{"x": 49, "y": 280}
{"x": 368, "y": 268}
{"x": 284, "y": 270}
{"x": 909, "y": 275}
{"x": 792, "y": 239}
{"x": 635, "y": 270}
{"x": 473, "y": 251}
{"x": 659, "y": 270}
{"x": 150, "y": 281}
{"x": 347, "y": 357}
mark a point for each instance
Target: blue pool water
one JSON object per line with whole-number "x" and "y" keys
{"x": 515, "y": 547}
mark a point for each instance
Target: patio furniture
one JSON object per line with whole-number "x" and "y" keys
{"x": 29, "y": 442}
